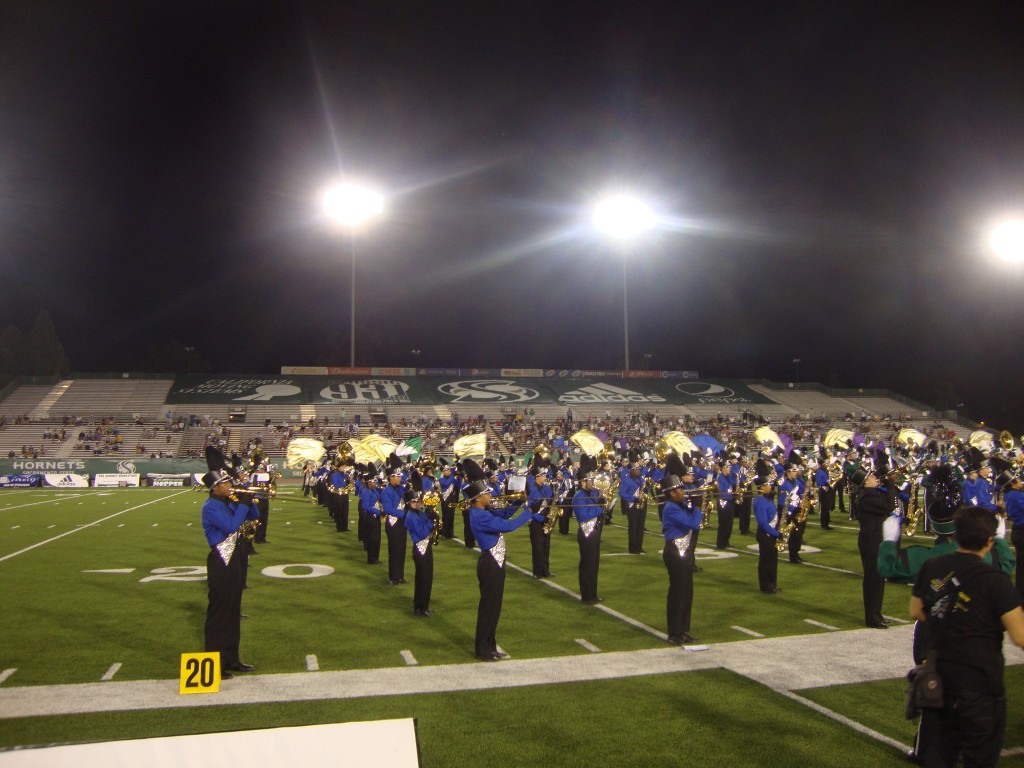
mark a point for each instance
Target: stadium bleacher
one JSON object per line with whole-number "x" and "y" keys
{"x": 127, "y": 417}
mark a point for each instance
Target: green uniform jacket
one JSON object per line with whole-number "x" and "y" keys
{"x": 902, "y": 565}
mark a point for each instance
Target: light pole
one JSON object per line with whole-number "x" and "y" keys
{"x": 352, "y": 207}
{"x": 622, "y": 218}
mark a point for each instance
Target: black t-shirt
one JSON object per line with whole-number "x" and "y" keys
{"x": 967, "y": 620}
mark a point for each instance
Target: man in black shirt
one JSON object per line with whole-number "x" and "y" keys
{"x": 967, "y": 605}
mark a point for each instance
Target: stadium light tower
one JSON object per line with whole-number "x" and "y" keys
{"x": 353, "y": 207}
{"x": 1006, "y": 239}
{"x": 623, "y": 218}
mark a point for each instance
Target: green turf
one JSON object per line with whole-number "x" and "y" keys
{"x": 711, "y": 718}
{"x": 63, "y": 625}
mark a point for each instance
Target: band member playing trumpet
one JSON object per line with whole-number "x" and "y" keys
{"x": 489, "y": 526}
{"x": 540, "y": 497}
{"x": 680, "y": 522}
{"x": 223, "y": 515}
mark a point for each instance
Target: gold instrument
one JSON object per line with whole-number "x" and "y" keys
{"x": 838, "y": 438}
{"x": 982, "y": 440}
{"x": 911, "y": 438}
{"x": 767, "y": 438}
{"x": 708, "y": 502}
{"x": 914, "y": 510}
{"x": 346, "y": 454}
{"x": 432, "y": 501}
{"x": 247, "y": 529}
{"x": 588, "y": 442}
{"x": 553, "y": 512}
{"x": 807, "y": 500}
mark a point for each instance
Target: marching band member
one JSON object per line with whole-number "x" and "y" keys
{"x": 222, "y": 518}
{"x": 766, "y": 514}
{"x": 874, "y": 504}
{"x": 826, "y": 493}
{"x": 726, "y": 505}
{"x": 565, "y": 478}
{"x": 393, "y": 506}
{"x": 420, "y": 525}
{"x": 977, "y": 489}
{"x": 449, "y": 497}
{"x": 791, "y": 490}
{"x": 337, "y": 496}
{"x": 1014, "y": 499}
{"x": 489, "y": 526}
{"x": 369, "y": 500}
{"x": 588, "y": 507}
{"x": 634, "y": 502}
{"x": 679, "y": 524}
{"x": 742, "y": 499}
{"x": 540, "y": 496}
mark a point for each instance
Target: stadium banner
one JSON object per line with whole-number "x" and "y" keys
{"x": 115, "y": 480}
{"x": 69, "y": 480}
{"x": 577, "y": 387}
{"x": 167, "y": 481}
{"x": 100, "y": 466}
{"x": 20, "y": 481}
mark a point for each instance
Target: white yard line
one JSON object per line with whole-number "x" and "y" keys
{"x": 109, "y": 674}
{"x": 7, "y": 673}
{"x": 589, "y": 646}
{"x": 746, "y": 631}
{"x": 814, "y": 623}
{"x": 312, "y": 663}
{"x": 84, "y": 527}
{"x": 410, "y": 660}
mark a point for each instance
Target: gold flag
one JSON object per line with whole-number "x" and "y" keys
{"x": 470, "y": 445}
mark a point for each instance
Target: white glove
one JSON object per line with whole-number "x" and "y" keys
{"x": 891, "y": 528}
{"x": 1000, "y": 527}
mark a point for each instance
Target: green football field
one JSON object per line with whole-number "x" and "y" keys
{"x": 108, "y": 585}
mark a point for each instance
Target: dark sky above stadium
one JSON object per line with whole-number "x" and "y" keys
{"x": 824, "y": 173}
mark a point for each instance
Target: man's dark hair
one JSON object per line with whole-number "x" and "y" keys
{"x": 974, "y": 527}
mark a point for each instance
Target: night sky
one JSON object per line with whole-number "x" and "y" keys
{"x": 823, "y": 173}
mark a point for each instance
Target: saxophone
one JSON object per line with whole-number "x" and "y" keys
{"x": 787, "y": 528}
{"x": 708, "y": 505}
{"x": 432, "y": 500}
{"x": 914, "y": 510}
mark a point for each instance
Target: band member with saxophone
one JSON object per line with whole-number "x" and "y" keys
{"x": 679, "y": 524}
{"x": 633, "y": 498}
{"x": 222, "y": 517}
{"x": 393, "y": 505}
{"x": 369, "y": 500}
{"x": 875, "y": 503}
{"x": 420, "y": 525}
{"x": 489, "y": 526}
{"x": 826, "y": 493}
{"x": 540, "y": 497}
{"x": 588, "y": 506}
{"x": 791, "y": 491}
{"x": 565, "y": 478}
{"x": 767, "y": 516}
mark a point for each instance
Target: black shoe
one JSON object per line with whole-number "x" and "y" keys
{"x": 402, "y": 581}
{"x": 501, "y": 655}
{"x": 772, "y": 591}
{"x": 240, "y": 667}
{"x": 394, "y": 582}
{"x": 548, "y": 575}
{"x": 253, "y": 552}
{"x": 226, "y": 675}
{"x": 877, "y": 625}
{"x": 422, "y": 612}
{"x": 373, "y": 562}
{"x": 687, "y": 638}
{"x": 675, "y": 639}
{"x": 244, "y": 616}
{"x": 796, "y": 559}
{"x": 488, "y": 657}
{"x": 595, "y": 601}
{"x": 697, "y": 569}
{"x": 826, "y": 527}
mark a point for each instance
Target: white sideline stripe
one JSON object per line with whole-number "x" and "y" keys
{"x": 111, "y": 570}
{"x": 88, "y": 525}
{"x": 7, "y": 673}
{"x": 600, "y": 606}
{"x": 1012, "y": 752}
{"x": 312, "y": 663}
{"x": 814, "y": 623}
{"x": 410, "y": 660}
{"x": 852, "y": 724}
{"x": 746, "y": 631}
{"x": 109, "y": 674}
{"x": 54, "y": 500}
{"x": 589, "y": 646}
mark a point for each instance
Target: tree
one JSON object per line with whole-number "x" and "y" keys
{"x": 12, "y": 352}
{"x": 44, "y": 353}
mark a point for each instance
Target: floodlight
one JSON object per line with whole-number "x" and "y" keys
{"x": 622, "y": 216}
{"x": 1007, "y": 239}
{"x": 352, "y": 205}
